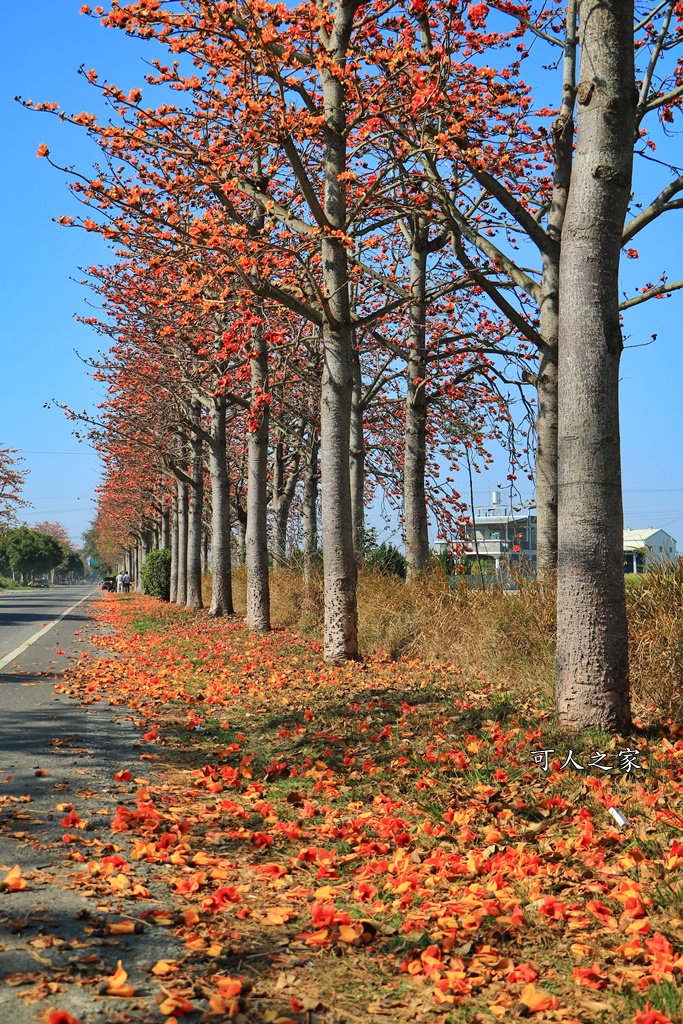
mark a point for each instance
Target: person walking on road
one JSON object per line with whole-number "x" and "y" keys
{"x": 119, "y": 583}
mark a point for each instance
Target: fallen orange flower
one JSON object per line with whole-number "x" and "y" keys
{"x": 649, "y": 1016}
{"x": 115, "y": 985}
{"x": 163, "y": 967}
{"x": 175, "y": 1003}
{"x": 536, "y": 1000}
{"x": 73, "y": 821}
{"x": 590, "y": 977}
{"x": 124, "y": 928}
{"x": 13, "y": 882}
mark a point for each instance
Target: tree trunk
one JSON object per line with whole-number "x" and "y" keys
{"x": 241, "y": 553}
{"x": 143, "y": 547}
{"x": 309, "y": 509}
{"x": 285, "y": 479}
{"x": 592, "y": 649}
{"x": 165, "y": 536}
{"x": 181, "y": 501}
{"x": 415, "y": 446}
{"x": 357, "y": 459}
{"x": 341, "y": 617}
{"x": 546, "y": 444}
{"x": 258, "y": 587}
{"x": 546, "y": 420}
{"x": 280, "y": 508}
{"x": 206, "y": 553}
{"x": 194, "y": 529}
{"x": 221, "y": 594}
{"x": 173, "y": 596}
{"x": 280, "y": 523}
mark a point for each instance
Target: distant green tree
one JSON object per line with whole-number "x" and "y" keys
{"x": 5, "y": 569}
{"x": 28, "y": 552}
{"x": 92, "y": 554}
{"x": 71, "y": 566}
{"x": 50, "y": 554}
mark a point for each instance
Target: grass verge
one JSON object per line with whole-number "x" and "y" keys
{"x": 391, "y": 835}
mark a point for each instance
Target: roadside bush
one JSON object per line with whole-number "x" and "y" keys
{"x": 156, "y": 574}
{"x": 476, "y": 567}
{"x": 445, "y": 561}
{"x": 387, "y": 559}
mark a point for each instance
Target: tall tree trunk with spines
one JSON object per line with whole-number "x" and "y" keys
{"x": 592, "y": 639}
{"x": 258, "y": 586}
{"x": 415, "y": 443}
{"x": 173, "y": 595}
{"x": 341, "y": 616}
{"x": 181, "y": 505}
{"x": 194, "y": 531}
{"x": 221, "y": 587}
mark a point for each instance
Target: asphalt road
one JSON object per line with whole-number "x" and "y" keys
{"x": 56, "y": 752}
{"x": 26, "y": 614}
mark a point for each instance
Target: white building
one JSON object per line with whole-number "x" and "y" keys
{"x": 506, "y": 537}
{"x": 645, "y": 548}
{"x": 500, "y": 535}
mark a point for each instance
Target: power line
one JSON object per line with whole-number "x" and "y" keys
{"x": 53, "y": 511}
{"x": 25, "y": 451}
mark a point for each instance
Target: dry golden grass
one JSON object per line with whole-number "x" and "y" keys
{"x": 503, "y": 636}
{"x": 655, "y": 611}
{"x": 506, "y": 637}
{"x": 291, "y": 603}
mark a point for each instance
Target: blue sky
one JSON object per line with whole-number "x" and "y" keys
{"x": 43, "y": 45}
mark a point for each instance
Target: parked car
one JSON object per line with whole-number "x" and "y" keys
{"x": 39, "y": 583}
{"x": 109, "y": 583}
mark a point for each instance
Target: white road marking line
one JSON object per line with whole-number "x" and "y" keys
{"x": 13, "y": 655}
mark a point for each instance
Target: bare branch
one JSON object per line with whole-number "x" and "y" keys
{"x": 658, "y": 206}
{"x": 651, "y": 293}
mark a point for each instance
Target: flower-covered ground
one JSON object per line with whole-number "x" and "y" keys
{"x": 374, "y": 842}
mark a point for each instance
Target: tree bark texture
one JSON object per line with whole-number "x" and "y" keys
{"x": 173, "y": 596}
{"x": 165, "y": 534}
{"x": 258, "y": 587}
{"x": 194, "y": 527}
{"x": 546, "y": 453}
{"x": 415, "y": 442}
{"x": 206, "y": 550}
{"x": 241, "y": 553}
{"x": 143, "y": 548}
{"x": 181, "y": 504}
{"x": 221, "y": 593}
{"x": 341, "y": 617}
{"x": 592, "y": 647}
{"x": 357, "y": 459}
{"x": 309, "y": 509}
{"x": 547, "y": 409}
{"x": 285, "y": 479}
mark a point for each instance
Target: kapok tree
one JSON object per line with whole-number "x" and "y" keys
{"x": 293, "y": 88}
{"x": 502, "y": 181}
{"x": 12, "y": 479}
